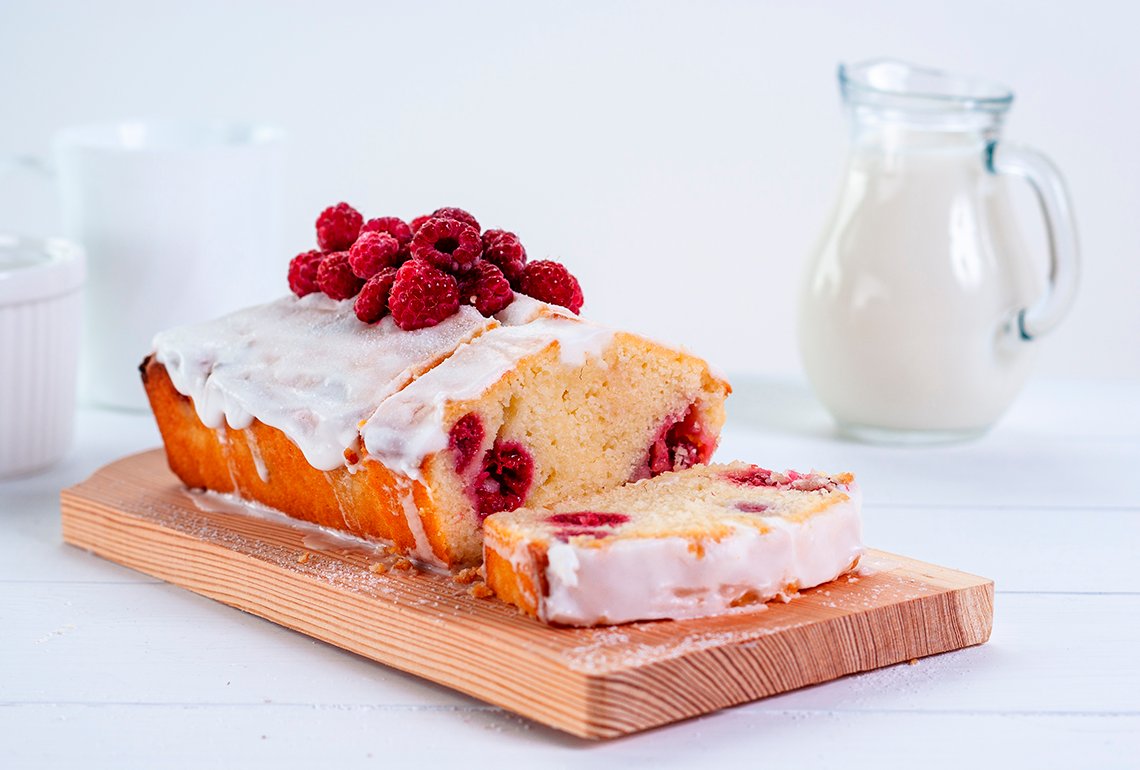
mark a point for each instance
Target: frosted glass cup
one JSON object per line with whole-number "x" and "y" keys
{"x": 180, "y": 222}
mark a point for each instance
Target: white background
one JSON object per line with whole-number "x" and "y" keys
{"x": 680, "y": 157}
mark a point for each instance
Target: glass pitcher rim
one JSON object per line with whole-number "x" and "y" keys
{"x": 958, "y": 92}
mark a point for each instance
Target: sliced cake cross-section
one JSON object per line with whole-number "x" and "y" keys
{"x": 685, "y": 544}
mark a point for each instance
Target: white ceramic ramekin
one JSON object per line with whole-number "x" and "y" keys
{"x": 41, "y": 284}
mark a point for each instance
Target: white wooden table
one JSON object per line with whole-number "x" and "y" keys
{"x": 104, "y": 667}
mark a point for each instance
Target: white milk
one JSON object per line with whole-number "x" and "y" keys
{"x": 908, "y": 311}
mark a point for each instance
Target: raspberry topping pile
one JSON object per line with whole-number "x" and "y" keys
{"x": 421, "y": 272}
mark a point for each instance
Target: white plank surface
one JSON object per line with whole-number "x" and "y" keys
{"x": 108, "y": 668}
{"x": 297, "y": 735}
{"x": 159, "y": 644}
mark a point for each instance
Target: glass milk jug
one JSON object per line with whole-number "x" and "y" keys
{"x": 920, "y": 308}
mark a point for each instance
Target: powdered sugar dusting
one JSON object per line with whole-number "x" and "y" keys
{"x": 615, "y": 651}
{"x": 874, "y": 563}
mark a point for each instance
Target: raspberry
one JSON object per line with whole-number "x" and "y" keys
{"x": 422, "y": 296}
{"x": 303, "y": 272}
{"x": 335, "y": 276}
{"x": 372, "y": 301}
{"x": 450, "y": 212}
{"x": 755, "y": 476}
{"x": 448, "y": 244}
{"x": 465, "y": 438}
{"x": 337, "y": 227}
{"x": 506, "y": 252}
{"x": 590, "y": 523}
{"x": 681, "y": 443}
{"x": 372, "y": 252}
{"x": 394, "y": 226}
{"x": 418, "y": 222}
{"x": 752, "y": 476}
{"x": 505, "y": 479}
{"x": 747, "y": 507}
{"x": 551, "y": 282}
{"x": 486, "y": 288}
{"x": 589, "y": 519}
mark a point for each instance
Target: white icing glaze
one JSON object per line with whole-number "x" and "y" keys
{"x": 409, "y": 425}
{"x": 524, "y": 309}
{"x": 258, "y": 460}
{"x": 307, "y": 367}
{"x": 562, "y": 565}
{"x": 656, "y": 578}
{"x": 423, "y": 550}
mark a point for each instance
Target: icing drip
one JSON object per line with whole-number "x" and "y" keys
{"x": 258, "y": 460}
{"x": 423, "y": 550}
{"x": 307, "y": 367}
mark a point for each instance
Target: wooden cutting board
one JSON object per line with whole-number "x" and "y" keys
{"x": 595, "y": 683}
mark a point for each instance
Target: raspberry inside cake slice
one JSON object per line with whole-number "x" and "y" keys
{"x": 684, "y": 544}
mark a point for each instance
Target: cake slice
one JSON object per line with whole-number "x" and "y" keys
{"x": 415, "y": 437}
{"x": 685, "y": 544}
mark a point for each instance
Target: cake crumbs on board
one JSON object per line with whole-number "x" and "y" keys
{"x": 467, "y": 576}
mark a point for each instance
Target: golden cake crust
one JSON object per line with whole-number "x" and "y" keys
{"x": 514, "y": 586}
{"x": 367, "y": 502}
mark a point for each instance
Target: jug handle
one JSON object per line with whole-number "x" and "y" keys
{"x": 1060, "y": 227}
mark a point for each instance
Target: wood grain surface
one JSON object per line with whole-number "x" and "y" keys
{"x": 594, "y": 683}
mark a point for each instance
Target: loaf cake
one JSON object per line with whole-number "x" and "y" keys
{"x": 408, "y": 389}
{"x": 684, "y": 544}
